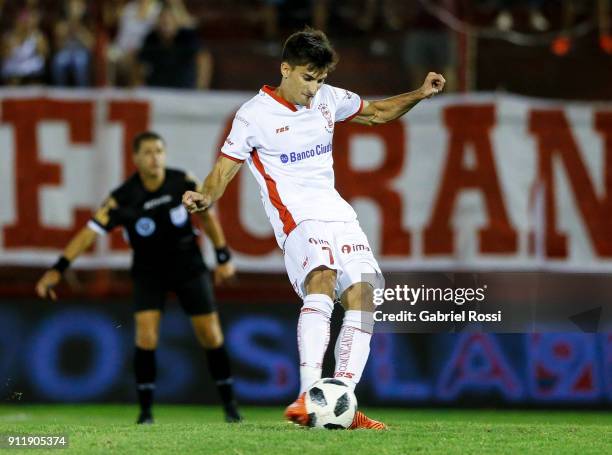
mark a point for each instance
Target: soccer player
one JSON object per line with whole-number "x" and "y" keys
{"x": 166, "y": 257}
{"x": 285, "y": 135}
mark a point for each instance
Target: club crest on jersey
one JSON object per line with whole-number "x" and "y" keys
{"x": 145, "y": 226}
{"x": 178, "y": 215}
{"x": 327, "y": 116}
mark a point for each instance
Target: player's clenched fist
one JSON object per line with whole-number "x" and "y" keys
{"x": 44, "y": 287}
{"x": 434, "y": 84}
{"x": 225, "y": 273}
{"x": 195, "y": 201}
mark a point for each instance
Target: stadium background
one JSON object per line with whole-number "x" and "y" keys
{"x": 508, "y": 171}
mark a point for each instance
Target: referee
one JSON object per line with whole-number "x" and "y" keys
{"x": 166, "y": 257}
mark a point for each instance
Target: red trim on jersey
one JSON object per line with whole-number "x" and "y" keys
{"x": 351, "y": 117}
{"x": 270, "y": 91}
{"x": 285, "y": 216}
{"x": 237, "y": 160}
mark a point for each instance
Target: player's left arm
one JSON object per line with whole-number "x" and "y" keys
{"x": 389, "y": 109}
{"x": 225, "y": 270}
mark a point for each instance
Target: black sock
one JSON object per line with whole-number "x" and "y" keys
{"x": 219, "y": 367}
{"x": 144, "y": 368}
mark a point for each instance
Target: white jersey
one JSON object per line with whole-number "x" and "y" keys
{"x": 289, "y": 151}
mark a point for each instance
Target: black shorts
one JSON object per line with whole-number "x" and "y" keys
{"x": 195, "y": 294}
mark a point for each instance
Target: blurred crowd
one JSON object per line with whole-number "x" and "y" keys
{"x": 166, "y": 43}
{"x": 84, "y": 43}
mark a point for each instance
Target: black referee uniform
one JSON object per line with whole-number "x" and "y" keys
{"x": 166, "y": 257}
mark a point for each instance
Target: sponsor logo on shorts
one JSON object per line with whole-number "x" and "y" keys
{"x": 145, "y": 226}
{"x": 354, "y": 248}
{"x": 284, "y": 158}
{"x": 318, "y": 241}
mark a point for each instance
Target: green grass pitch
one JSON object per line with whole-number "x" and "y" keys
{"x": 191, "y": 429}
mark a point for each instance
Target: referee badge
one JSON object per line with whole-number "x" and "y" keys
{"x": 179, "y": 215}
{"x": 145, "y": 226}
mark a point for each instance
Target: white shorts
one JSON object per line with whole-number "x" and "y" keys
{"x": 337, "y": 245}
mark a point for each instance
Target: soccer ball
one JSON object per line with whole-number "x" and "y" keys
{"x": 331, "y": 404}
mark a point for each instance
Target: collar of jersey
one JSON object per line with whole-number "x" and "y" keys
{"x": 268, "y": 90}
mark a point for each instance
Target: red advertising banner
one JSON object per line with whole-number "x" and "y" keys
{"x": 462, "y": 182}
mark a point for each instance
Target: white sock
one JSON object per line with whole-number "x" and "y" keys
{"x": 313, "y": 337}
{"x": 353, "y": 345}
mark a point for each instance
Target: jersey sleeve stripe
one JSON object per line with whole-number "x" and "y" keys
{"x": 351, "y": 117}
{"x": 233, "y": 158}
{"x": 283, "y": 212}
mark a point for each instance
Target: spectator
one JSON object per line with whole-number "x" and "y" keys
{"x": 603, "y": 20}
{"x": 428, "y": 45}
{"x": 172, "y": 56}
{"x": 505, "y": 21}
{"x": 135, "y": 20}
{"x": 24, "y": 50}
{"x": 181, "y": 14}
{"x": 4, "y": 23}
{"x": 292, "y": 14}
{"x": 74, "y": 41}
{"x": 563, "y": 43}
{"x": 387, "y": 9}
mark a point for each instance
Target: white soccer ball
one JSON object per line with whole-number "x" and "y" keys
{"x": 331, "y": 404}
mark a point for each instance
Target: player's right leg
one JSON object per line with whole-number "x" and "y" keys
{"x": 148, "y": 303}
{"x": 313, "y": 324}
{"x": 311, "y": 269}
{"x": 313, "y": 335}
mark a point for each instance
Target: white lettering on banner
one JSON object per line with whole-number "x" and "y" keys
{"x": 470, "y": 182}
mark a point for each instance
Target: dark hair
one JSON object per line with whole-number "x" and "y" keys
{"x": 145, "y": 136}
{"x": 311, "y": 48}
